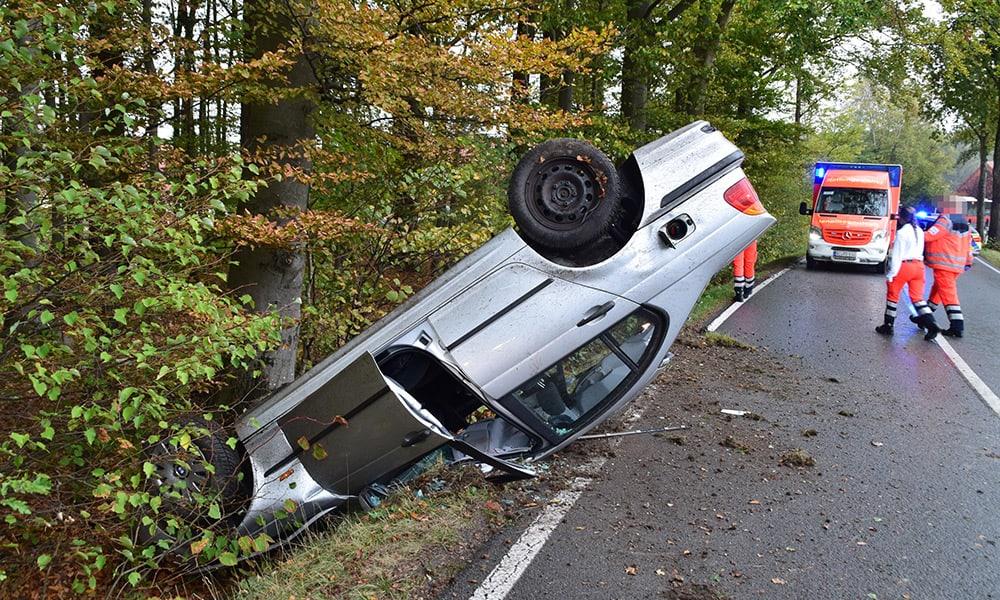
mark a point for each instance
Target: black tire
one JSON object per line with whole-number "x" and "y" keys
{"x": 881, "y": 267}
{"x": 221, "y": 484}
{"x": 564, "y": 195}
{"x": 811, "y": 263}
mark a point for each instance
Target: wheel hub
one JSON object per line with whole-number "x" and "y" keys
{"x": 562, "y": 193}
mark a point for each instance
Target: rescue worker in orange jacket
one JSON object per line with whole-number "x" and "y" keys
{"x": 907, "y": 268}
{"x": 948, "y": 252}
{"x": 743, "y": 272}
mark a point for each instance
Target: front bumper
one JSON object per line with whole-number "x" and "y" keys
{"x": 869, "y": 254}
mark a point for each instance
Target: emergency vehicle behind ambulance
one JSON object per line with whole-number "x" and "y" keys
{"x": 853, "y": 210}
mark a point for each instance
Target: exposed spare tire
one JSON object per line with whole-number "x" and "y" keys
{"x": 564, "y": 195}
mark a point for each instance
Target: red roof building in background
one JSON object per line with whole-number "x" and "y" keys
{"x": 970, "y": 187}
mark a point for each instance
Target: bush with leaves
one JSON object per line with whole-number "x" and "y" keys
{"x": 115, "y": 327}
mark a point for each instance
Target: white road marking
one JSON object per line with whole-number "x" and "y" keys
{"x": 989, "y": 266}
{"x": 977, "y": 384}
{"x": 984, "y": 391}
{"x": 735, "y": 305}
{"x": 505, "y": 575}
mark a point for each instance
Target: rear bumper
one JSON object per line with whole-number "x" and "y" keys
{"x": 869, "y": 254}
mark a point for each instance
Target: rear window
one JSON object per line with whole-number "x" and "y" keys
{"x": 850, "y": 201}
{"x": 574, "y": 390}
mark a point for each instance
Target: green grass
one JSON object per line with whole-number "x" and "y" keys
{"x": 391, "y": 552}
{"x": 714, "y": 297}
{"x": 714, "y": 338}
{"x": 719, "y": 293}
{"x": 991, "y": 255}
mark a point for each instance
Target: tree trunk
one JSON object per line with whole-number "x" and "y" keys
{"x": 798, "y": 99}
{"x": 185, "y": 59}
{"x": 706, "y": 58}
{"x": 634, "y": 83}
{"x": 981, "y": 188}
{"x": 995, "y": 195}
{"x": 520, "y": 80}
{"x": 566, "y": 92}
{"x": 273, "y": 276}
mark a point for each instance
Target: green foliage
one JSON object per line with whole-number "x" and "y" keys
{"x": 113, "y": 322}
{"x": 879, "y": 126}
{"x": 118, "y": 333}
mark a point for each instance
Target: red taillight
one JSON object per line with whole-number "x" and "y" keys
{"x": 743, "y": 198}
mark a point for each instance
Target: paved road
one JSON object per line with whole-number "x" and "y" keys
{"x": 979, "y": 290}
{"x": 904, "y": 501}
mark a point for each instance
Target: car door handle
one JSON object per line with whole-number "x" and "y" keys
{"x": 596, "y": 313}
{"x": 415, "y": 437}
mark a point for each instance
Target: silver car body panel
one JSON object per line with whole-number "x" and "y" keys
{"x": 504, "y": 314}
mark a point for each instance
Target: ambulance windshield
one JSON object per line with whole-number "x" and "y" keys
{"x": 849, "y": 201}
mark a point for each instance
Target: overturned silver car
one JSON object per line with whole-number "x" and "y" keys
{"x": 526, "y": 344}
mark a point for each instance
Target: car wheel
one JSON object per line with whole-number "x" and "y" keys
{"x": 564, "y": 195}
{"x": 191, "y": 479}
{"x": 881, "y": 267}
{"x": 810, "y": 263}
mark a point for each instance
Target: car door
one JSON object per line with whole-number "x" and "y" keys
{"x": 361, "y": 427}
{"x": 519, "y": 320}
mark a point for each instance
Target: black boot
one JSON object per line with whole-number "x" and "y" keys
{"x": 926, "y": 322}
{"x": 886, "y": 328}
{"x": 747, "y": 290}
{"x": 738, "y": 297}
{"x": 955, "y": 329}
{"x": 914, "y": 319}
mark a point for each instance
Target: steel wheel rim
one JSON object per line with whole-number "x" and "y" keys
{"x": 562, "y": 193}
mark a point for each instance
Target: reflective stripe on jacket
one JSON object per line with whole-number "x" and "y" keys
{"x": 946, "y": 249}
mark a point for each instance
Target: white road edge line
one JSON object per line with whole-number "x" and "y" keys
{"x": 989, "y": 266}
{"x": 505, "y": 575}
{"x": 977, "y": 384}
{"x": 735, "y": 305}
{"x": 970, "y": 376}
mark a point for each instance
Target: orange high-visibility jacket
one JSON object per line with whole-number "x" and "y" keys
{"x": 946, "y": 249}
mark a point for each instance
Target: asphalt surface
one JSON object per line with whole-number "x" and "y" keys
{"x": 979, "y": 291}
{"x": 903, "y": 500}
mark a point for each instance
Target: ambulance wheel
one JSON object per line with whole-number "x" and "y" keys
{"x": 811, "y": 264}
{"x": 564, "y": 195}
{"x": 881, "y": 267}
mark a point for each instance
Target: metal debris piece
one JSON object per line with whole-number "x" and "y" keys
{"x": 598, "y": 436}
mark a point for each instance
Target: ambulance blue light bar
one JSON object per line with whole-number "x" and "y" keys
{"x": 822, "y": 168}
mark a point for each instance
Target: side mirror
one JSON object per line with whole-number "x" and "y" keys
{"x": 894, "y": 217}
{"x": 804, "y": 209}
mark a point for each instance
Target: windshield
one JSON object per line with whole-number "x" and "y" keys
{"x": 565, "y": 395}
{"x": 849, "y": 201}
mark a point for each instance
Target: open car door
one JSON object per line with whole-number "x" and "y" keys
{"x": 362, "y": 427}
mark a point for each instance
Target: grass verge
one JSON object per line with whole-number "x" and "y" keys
{"x": 719, "y": 293}
{"x": 714, "y": 338}
{"x": 991, "y": 255}
{"x": 406, "y": 548}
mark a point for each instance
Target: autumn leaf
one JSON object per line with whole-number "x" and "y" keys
{"x": 198, "y": 546}
{"x": 319, "y": 452}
